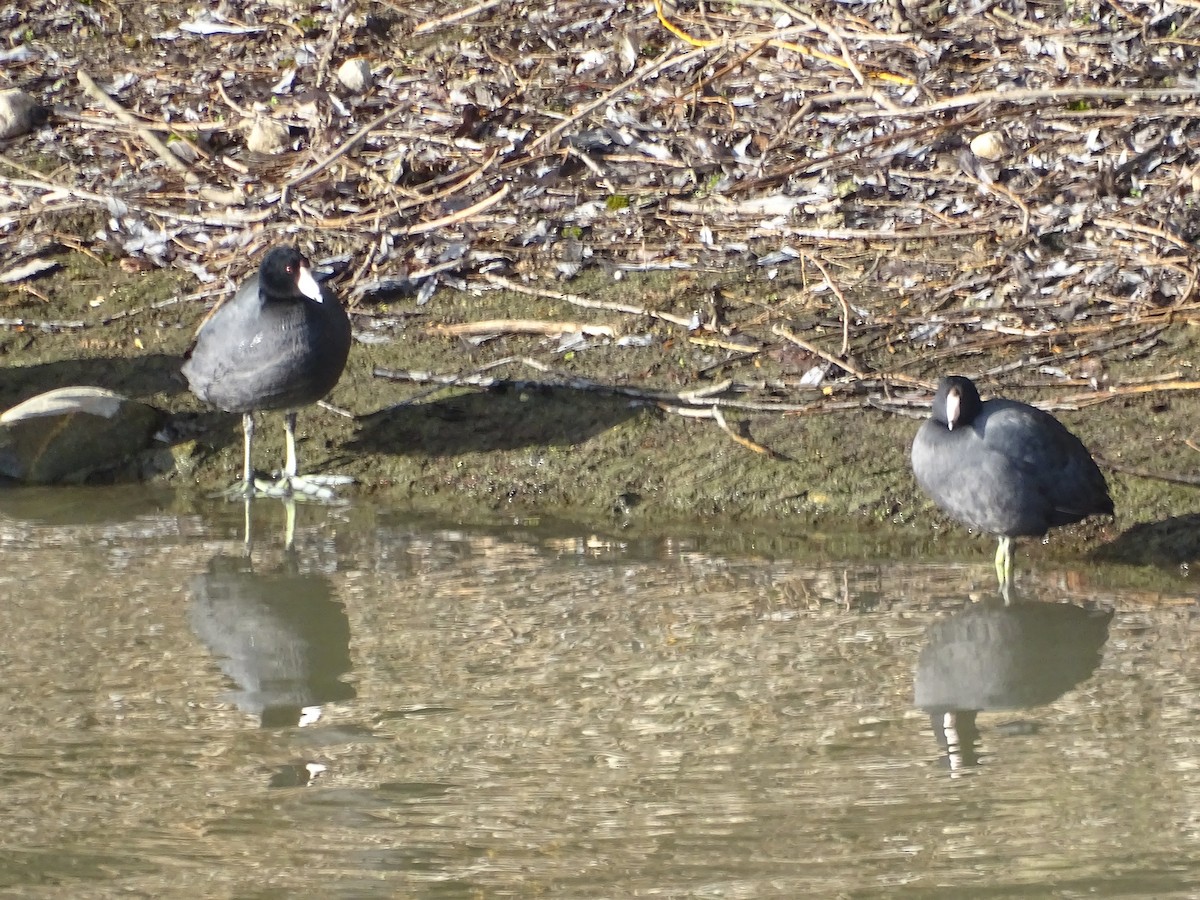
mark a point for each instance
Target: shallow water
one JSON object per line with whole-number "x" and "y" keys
{"x": 546, "y": 712}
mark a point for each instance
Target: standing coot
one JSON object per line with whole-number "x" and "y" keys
{"x": 1004, "y": 467}
{"x": 280, "y": 343}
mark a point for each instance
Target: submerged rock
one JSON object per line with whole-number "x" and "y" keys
{"x": 68, "y": 434}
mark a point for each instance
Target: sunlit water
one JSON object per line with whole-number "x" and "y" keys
{"x": 399, "y": 709}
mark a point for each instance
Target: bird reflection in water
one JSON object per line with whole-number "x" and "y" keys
{"x": 280, "y": 636}
{"x": 997, "y": 656}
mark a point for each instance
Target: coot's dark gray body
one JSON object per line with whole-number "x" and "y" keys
{"x": 1004, "y": 467}
{"x": 280, "y": 343}
{"x": 271, "y": 346}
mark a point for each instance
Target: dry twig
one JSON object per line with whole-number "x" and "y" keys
{"x": 586, "y": 303}
{"x": 151, "y": 140}
{"x": 522, "y": 326}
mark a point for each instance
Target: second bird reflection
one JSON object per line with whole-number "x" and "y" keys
{"x": 997, "y": 656}
{"x": 281, "y": 636}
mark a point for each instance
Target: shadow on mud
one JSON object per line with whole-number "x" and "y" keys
{"x": 501, "y": 419}
{"x": 1170, "y": 542}
{"x": 137, "y": 376}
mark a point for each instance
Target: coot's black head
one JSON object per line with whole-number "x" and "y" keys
{"x": 956, "y": 401}
{"x": 284, "y": 273}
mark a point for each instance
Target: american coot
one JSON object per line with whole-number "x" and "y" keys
{"x": 1004, "y": 467}
{"x": 280, "y": 343}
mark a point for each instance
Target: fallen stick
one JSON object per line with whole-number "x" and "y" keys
{"x": 484, "y": 204}
{"x": 817, "y": 351}
{"x": 664, "y": 59}
{"x": 719, "y": 418}
{"x": 345, "y": 147}
{"x": 846, "y": 364}
{"x": 1039, "y": 95}
{"x": 455, "y": 17}
{"x": 523, "y": 326}
{"x": 1169, "y": 477}
{"x": 111, "y": 201}
{"x": 576, "y": 300}
{"x": 1082, "y": 401}
{"x": 837, "y": 292}
{"x": 45, "y": 325}
{"x": 699, "y": 397}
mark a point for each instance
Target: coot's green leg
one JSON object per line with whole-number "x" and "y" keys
{"x": 301, "y": 487}
{"x": 1004, "y": 563}
{"x": 246, "y": 488}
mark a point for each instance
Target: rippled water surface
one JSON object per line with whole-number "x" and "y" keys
{"x": 394, "y": 708}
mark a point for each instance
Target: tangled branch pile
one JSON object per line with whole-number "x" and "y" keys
{"x": 1012, "y": 168}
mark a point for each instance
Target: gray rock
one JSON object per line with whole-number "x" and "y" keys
{"x": 70, "y": 433}
{"x": 19, "y": 113}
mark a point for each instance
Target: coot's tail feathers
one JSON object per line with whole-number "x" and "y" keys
{"x": 1093, "y": 500}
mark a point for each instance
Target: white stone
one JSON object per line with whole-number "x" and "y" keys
{"x": 988, "y": 146}
{"x": 268, "y": 136}
{"x": 355, "y": 74}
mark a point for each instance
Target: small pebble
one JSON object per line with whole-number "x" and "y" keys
{"x": 988, "y": 146}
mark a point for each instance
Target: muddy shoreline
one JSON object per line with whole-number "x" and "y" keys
{"x": 526, "y": 451}
{"x": 818, "y": 234}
